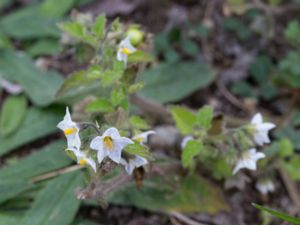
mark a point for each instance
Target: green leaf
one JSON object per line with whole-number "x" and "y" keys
{"x": 279, "y": 215}
{"x": 292, "y": 32}
{"x": 10, "y": 218}
{"x": 56, "y": 203}
{"x": 204, "y": 117}
{"x": 286, "y": 147}
{"x": 185, "y": 119}
{"x": 171, "y": 193}
{"x": 138, "y": 149}
{"x": 190, "y": 151}
{"x": 44, "y": 47}
{"x": 38, "y": 123}
{"x": 172, "y": 82}
{"x": 12, "y": 114}
{"x": 98, "y": 27}
{"x": 292, "y": 167}
{"x": 74, "y": 29}
{"x": 28, "y": 23}
{"x": 261, "y": 68}
{"x": 117, "y": 96}
{"x": 12, "y": 188}
{"x": 52, "y": 9}
{"x": 139, "y": 123}
{"x": 39, "y": 86}
{"x": 76, "y": 80}
{"x": 100, "y": 105}
{"x": 48, "y": 158}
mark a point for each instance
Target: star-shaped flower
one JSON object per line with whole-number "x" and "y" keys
{"x": 110, "y": 144}
{"x": 261, "y": 129}
{"x": 71, "y": 131}
{"x": 142, "y": 138}
{"x": 83, "y": 159}
{"x": 125, "y": 49}
{"x": 248, "y": 160}
{"x": 134, "y": 162}
{"x": 265, "y": 186}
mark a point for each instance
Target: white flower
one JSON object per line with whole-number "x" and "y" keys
{"x": 71, "y": 130}
{"x": 110, "y": 144}
{"x": 83, "y": 160}
{"x": 261, "y": 129}
{"x": 248, "y": 160}
{"x": 185, "y": 140}
{"x": 125, "y": 49}
{"x": 132, "y": 163}
{"x": 142, "y": 138}
{"x": 265, "y": 186}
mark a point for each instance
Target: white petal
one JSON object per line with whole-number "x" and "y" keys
{"x": 121, "y": 142}
{"x": 139, "y": 161}
{"x": 120, "y": 56}
{"x": 101, "y": 155}
{"x": 112, "y": 132}
{"x": 258, "y": 139}
{"x": 265, "y": 126}
{"x": 257, "y": 119}
{"x": 144, "y": 136}
{"x": 115, "y": 154}
{"x": 258, "y": 155}
{"x": 92, "y": 163}
{"x": 97, "y": 144}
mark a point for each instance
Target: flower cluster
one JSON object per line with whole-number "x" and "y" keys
{"x": 109, "y": 145}
{"x": 259, "y": 131}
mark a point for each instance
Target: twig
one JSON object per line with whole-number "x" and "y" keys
{"x": 55, "y": 173}
{"x": 185, "y": 219}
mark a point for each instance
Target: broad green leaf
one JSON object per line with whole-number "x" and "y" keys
{"x": 204, "y": 117}
{"x": 48, "y": 158}
{"x": 12, "y": 114}
{"x": 56, "y": 203}
{"x": 139, "y": 123}
{"x": 292, "y": 32}
{"x": 28, "y": 22}
{"x": 10, "y": 218}
{"x": 117, "y": 96}
{"x": 185, "y": 119}
{"x": 44, "y": 47}
{"x": 99, "y": 105}
{"x": 138, "y": 149}
{"x": 289, "y": 69}
{"x": 172, "y": 82}
{"x": 5, "y": 3}
{"x": 261, "y": 68}
{"x": 286, "y": 147}
{"x": 279, "y": 215}
{"x": 292, "y": 167}
{"x": 74, "y": 81}
{"x": 98, "y": 27}
{"x": 53, "y": 9}
{"x": 171, "y": 193}
{"x": 190, "y": 151}
{"x": 12, "y": 188}
{"x": 74, "y": 29}
{"x": 39, "y": 86}
{"x": 38, "y": 123}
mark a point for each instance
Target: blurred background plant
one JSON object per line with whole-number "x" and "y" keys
{"x": 237, "y": 56}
